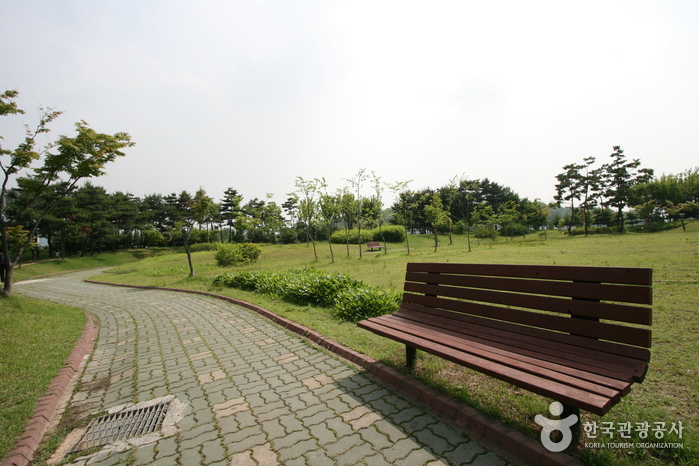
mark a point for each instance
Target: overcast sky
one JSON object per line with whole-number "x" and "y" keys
{"x": 252, "y": 94}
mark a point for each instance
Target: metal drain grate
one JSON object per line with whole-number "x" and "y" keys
{"x": 123, "y": 425}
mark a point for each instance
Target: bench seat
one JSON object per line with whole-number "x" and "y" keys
{"x": 374, "y": 245}
{"x": 536, "y": 327}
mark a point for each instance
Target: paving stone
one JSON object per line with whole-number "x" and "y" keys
{"x": 465, "y": 453}
{"x": 213, "y": 451}
{"x": 296, "y": 450}
{"x": 145, "y": 454}
{"x": 191, "y": 456}
{"x": 399, "y": 450}
{"x": 436, "y": 443}
{"x": 355, "y": 454}
{"x": 488, "y": 459}
{"x": 300, "y": 405}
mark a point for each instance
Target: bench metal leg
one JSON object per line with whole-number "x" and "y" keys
{"x": 576, "y": 430}
{"x": 410, "y": 356}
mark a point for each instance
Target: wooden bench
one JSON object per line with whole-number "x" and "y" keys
{"x": 374, "y": 245}
{"x": 578, "y": 335}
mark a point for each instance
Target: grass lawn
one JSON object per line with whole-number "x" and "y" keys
{"x": 35, "y": 338}
{"x": 669, "y": 393}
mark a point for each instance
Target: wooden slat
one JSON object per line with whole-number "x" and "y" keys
{"x": 607, "y": 311}
{"x": 604, "y": 331}
{"x": 592, "y": 348}
{"x": 537, "y": 327}
{"x": 606, "y": 364}
{"x": 613, "y": 292}
{"x": 622, "y": 275}
{"x": 568, "y": 395}
{"x": 589, "y": 381}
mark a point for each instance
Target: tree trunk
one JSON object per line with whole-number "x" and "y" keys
{"x": 359, "y": 238}
{"x": 189, "y": 254}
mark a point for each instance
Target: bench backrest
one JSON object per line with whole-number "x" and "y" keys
{"x": 560, "y": 303}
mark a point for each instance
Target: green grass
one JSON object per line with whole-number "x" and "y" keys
{"x": 33, "y": 269}
{"x": 35, "y": 338}
{"x": 667, "y": 395}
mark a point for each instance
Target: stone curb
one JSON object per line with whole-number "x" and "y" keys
{"x": 55, "y": 397}
{"x": 478, "y": 425}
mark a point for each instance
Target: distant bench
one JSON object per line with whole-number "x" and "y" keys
{"x": 536, "y": 327}
{"x": 374, "y": 245}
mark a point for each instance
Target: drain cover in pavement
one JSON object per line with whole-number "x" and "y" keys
{"x": 123, "y": 425}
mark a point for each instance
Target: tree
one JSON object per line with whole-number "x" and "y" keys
{"x": 348, "y": 212}
{"x": 620, "y": 177}
{"x": 508, "y": 217}
{"x": 357, "y": 182}
{"x": 401, "y": 209}
{"x": 448, "y": 195}
{"x": 464, "y": 202}
{"x": 308, "y": 207}
{"x": 203, "y": 211}
{"x": 436, "y": 216}
{"x": 123, "y": 213}
{"x": 329, "y": 211}
{"x": 590, "y": 188}
{"x": 64, "y": 164}
{"x": 568, "y": 189}
{"x": 230, "y": 210}
{"x": 185, "y": 208}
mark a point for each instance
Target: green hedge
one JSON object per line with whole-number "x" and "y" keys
{"x": 352, "y": 299}
{"x": 228, "y": 254}
{"x": 392, "y": 234}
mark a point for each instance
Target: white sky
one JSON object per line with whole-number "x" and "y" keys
{"x": 252, "y": 94}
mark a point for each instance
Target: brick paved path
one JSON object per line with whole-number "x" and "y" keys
{"x": 253, "y": 392}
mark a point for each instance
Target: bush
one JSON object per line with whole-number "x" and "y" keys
{"x": 303, "y": 286}
{"x": 482, "y": 232}
{"x": 392, "y": 234}
{"x": 353, "y": 299}
{"x": 236, "y": 254}
{"x": 340, "y": 236}
{"x": 365, "y": 302}
{"x": 593, "y": 231}
{"x": 515, "y": 229}
{"x": 198, "y": 247}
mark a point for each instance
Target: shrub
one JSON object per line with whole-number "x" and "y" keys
{"x": 365, "y": 302}
{"x": 515, "y": 229}
{"x": 392, "y": 233}
{"x": 244, "y": 280}
{"x": 353, "y": 299}
{"x": 198, "y": 247}
{"x": 593, "y": 231}
{"x": 340, "y": 237}
{"x": 235, "y": 254}
{"x": 482, "y": 232}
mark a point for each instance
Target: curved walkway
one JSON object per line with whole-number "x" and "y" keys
{"x": 252, "y": 392}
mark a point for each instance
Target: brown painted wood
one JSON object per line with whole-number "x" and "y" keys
{"x": 618, "y": 333}
{"x": 587, "y": 380}
{"x": 559, "y": 331}
{"x": 572, "y": 396}
{"x": 608, "y": 365}
{"x": 608, "y": 311}
{"x": 631, "y": 276}
{"x": 607, "y": 292}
